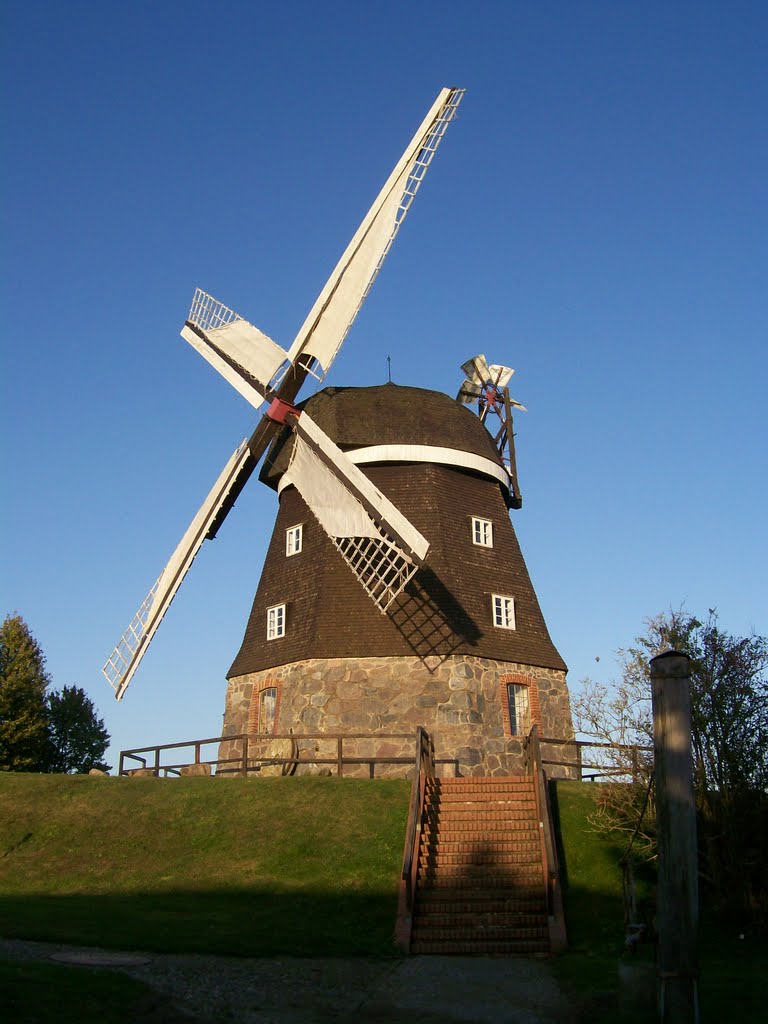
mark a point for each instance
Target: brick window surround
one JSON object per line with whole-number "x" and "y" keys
{"x": 534, "y": 704}
{"x": 254, "y": 725}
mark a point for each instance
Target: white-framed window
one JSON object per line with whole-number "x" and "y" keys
{"x": 503, "y": 611}
{"x": 275, "y": 622}
{"x": 293, "y": 537}
{"x": 519, "y": 706}
{"x": 267, "y": 708}
{"x": 482, "y": 532}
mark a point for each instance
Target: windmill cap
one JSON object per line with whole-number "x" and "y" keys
{"x": 388, "y": 414}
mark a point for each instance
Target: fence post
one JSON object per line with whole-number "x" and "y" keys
{"x": 579, "y": 761}
{"x": 677, "y": 902}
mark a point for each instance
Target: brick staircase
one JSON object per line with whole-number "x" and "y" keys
{"x": 480, "y": 887}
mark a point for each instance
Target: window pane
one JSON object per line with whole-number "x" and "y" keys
{"x": 519, "y": 709}
{"x": 503, "y": 611}
{"x": 276, "y": 622}
{"x": 482, "y": 532}
{"x": 293, "y": 540}
{"x": 267, "y": 704}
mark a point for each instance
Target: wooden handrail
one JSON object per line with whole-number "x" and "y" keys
{"x": 247, "y": 760}
{"x": 424, "y": 770}
{"x": 600, "y": 769}
{"x": 535, "y": 767}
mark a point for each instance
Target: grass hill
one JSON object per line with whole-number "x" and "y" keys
{"x": 304, "y": 867}
{"x": 250, "y": 867}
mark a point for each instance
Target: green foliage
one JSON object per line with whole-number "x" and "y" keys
{"x": 729, "y": 735}
{"x": 43, "y": 732}
{"x": 78, "y": 737}
{"x": 24, "y": 737}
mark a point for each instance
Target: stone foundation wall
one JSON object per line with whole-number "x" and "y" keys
{"x": 458, "y": 700}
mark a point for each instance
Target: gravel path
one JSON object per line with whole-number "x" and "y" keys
{"x": 427, "y": 990}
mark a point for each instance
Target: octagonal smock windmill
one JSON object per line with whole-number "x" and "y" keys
{"x": 362, "y": 621}
{"x": 463, "y": 650}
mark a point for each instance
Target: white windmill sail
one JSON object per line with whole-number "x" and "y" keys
{"x": 328, "y": 322}
{"x": 224, "y": 333}
{"x": 381, "y": 546}
{"x": 124, "y": 660}
{"x": 385, "y": 549}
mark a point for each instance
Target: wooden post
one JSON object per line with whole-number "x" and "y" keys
{"x": 677, "y": 901}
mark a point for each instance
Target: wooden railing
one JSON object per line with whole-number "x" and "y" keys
{"x": 424, "y": 770}
{"x": 534, "y": 766}
{"x": 636, "y": 767}
{"x": 252, "y": 758}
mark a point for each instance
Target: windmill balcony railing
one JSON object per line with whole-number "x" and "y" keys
{"x": 248, "y": 754}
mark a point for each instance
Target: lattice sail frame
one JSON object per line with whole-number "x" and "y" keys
{"x": 380, "y": 566}
{"x": 120, "y": 659}
{"x": 208, "y": 313}
{"x": 412, "y": 185}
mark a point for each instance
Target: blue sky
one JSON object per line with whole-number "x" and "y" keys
{"x": 597, "y": 218}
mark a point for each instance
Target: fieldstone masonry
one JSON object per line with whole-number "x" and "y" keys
{"x": 458, "y": 700}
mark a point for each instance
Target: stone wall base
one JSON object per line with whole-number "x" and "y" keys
{"x": 458, "y": 700}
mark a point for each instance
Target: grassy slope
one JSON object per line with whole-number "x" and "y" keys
{"x": 199, "y": 865}
{"x": 302, "y": 866}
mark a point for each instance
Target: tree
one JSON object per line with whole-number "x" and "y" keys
{"x": 729, "y": 699}
{"x": 78, "y": 737}
{"x": 24, "y": 737}
{"x": 729, "y": 733}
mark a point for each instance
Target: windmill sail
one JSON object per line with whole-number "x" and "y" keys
{"x": 374, "y": 538}
{"x": 124, "y": 660}
{"x": 242, "y": 354}
{"x": 382, "y": 547}
{"x": 334, "y": 312}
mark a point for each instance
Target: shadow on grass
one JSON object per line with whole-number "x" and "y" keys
{"x": 239, "y": 922}
{"x": 38, "y": 993}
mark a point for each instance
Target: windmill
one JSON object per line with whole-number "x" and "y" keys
{"x": 437, "y": 623}
{"x": 377, "y": 542}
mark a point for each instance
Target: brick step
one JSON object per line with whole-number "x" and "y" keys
{"x": 479, "y": 930}
{"x": 506, "y": 785}
{"x": 472, "y": 791}
{"x": 479, "y": 813}
{"x": 481, "y": 796}
{"x": 466, "y": 817}
{"x": 522, "y": 898}
{"x": 464, "y": 842}
{"x": 479, "y": 838}
{"x": 453, "y": 917}
{"x": 486, "y": 878}
{"x": 452, "y": 947}
{"x": 496, "y": 885}
{"x": 479, "y": 857}
{"x": 527, "y": 911}
{"x": 485, "y": 813}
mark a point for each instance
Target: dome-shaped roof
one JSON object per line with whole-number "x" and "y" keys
{"x": 387, "y": 415}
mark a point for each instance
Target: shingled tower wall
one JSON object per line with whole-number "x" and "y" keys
{"x": 437, "y": 659}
